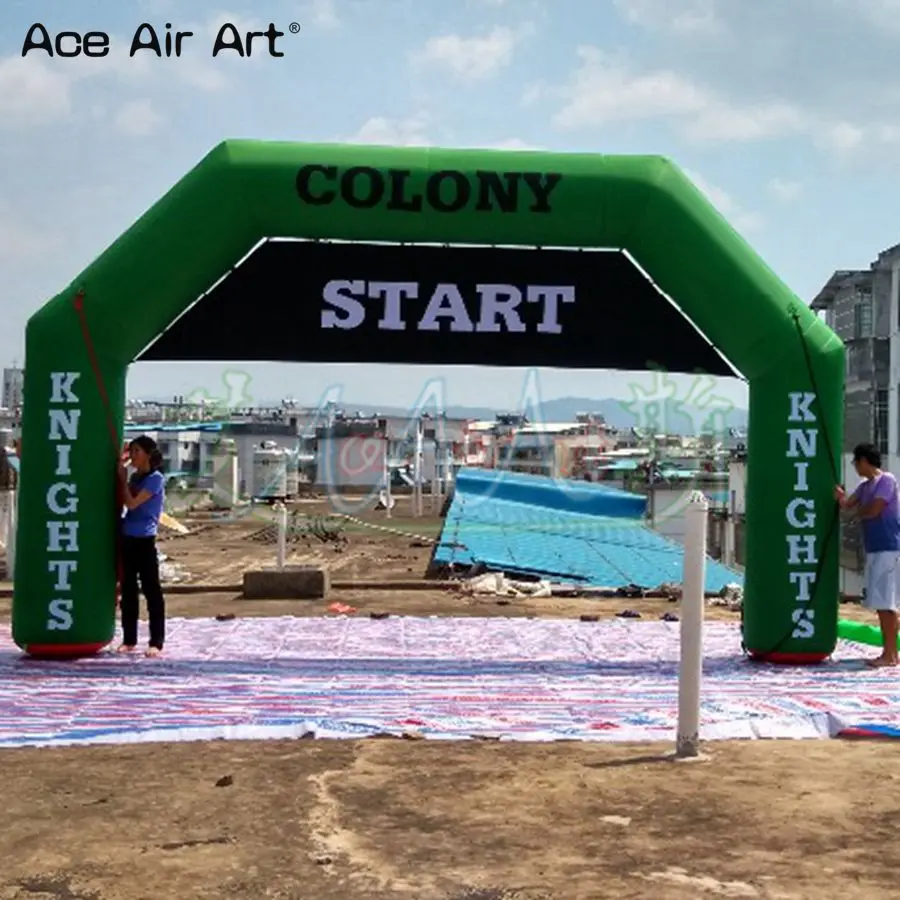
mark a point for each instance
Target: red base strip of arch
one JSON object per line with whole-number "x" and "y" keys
{"x": 788, "y": 659}
{"x": 63, "y": 651}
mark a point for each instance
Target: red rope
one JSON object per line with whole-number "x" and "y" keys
{"x": 98, "y": 375}
{"x": 110, "y": 424}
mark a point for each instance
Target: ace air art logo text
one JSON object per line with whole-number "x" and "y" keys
{"x": 166, "y": 42}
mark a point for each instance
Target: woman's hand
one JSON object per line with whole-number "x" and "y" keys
{"x": 840, "y": 495}
{"x": 123, "y": 473}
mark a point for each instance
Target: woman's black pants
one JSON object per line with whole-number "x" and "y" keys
{"x": 140, "y": 563}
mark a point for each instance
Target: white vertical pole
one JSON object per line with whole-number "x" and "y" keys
{"x": 687, "y": 744}
{"x": 282, "y": 536}
{"x": 387, "y": 478}
{"x": 729, "y": 549}
{"x": 5, "y": 499}
{"x": 436, "y": 479}
{"x": 417, "y": 472}
{"x": 12, "y": 523}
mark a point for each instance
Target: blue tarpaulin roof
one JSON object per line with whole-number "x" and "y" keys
{"x": 566, "y": 531}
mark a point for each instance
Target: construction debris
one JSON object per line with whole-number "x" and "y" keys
{"x": 499, "y": 585}
{"x": 172, "y": 524}
{"x": 670, "y": 591}
{"x": 170, "y": 572}
{"x": 302, "y": 527}
{"x": 731, "y": 597}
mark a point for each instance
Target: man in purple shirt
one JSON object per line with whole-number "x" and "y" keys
{"x": 875, "y": 501}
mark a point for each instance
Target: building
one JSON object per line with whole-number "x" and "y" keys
{"x": 888, "y": 263}
{"x": 332, "y": 450}
{"x": 13, "y": 394}
{"x": 857, "y": 306}
{"x": 188, "y": 449}
{"x": 550, "y": 449}
{"x": 861, "y": 306}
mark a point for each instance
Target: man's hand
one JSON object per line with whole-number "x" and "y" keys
{"x": 840, "y": 495}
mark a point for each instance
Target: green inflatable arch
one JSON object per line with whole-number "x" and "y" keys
{"x": 79, "y": 347}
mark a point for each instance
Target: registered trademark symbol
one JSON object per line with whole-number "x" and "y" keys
{"x": 294, "y": 27}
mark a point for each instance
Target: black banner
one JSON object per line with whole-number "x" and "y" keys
{"x": 302, "y": 301}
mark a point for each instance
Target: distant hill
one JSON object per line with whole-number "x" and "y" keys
{"x": 666, "y": 417}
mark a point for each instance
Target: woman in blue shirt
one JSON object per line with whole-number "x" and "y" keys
{"x": 144, "y": 497}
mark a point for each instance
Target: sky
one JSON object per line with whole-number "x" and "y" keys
{"x": 787, "y": 115}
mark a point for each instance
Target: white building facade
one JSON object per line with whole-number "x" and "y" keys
{"x": 891, "y": 261}
{"x": 13, "y": 393}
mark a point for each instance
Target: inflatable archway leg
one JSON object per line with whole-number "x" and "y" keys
{"x": 68, "y": 499}
{"x": 793, "y": 536}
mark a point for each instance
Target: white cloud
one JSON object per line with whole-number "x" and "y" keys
{"x": 683, "y": 17}
{"x": 784, "y": 190}
{"x": 35, "y": 91}
{"x": 882, "y": 14}
{"x": 20, "y": 242}
{"x": 842, "y": 138}
{"x": 513, "y": 144}
{"x": 471, "y": 58}
{"x": 201, "y": 75}
{"x": 321, "y": 13}
{"x": 157, "y": 7}
{"x": 243, "y": 24}
{"x": 742, "y": 220}
{"x": 605, "y": 90}
{"x": 718, "y": 120}
{"x": 31, "y": 93}
{"x": 138, "y": 118}
{"x": 396, "y": 133}
{"x": 413, "y": 132}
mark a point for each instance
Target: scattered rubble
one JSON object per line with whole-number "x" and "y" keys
{"x": 731, "y": 597}
{"x": 498, "y": 585}
{"x": 670, "y": 591}
{"x": 302, "y": 527}
{"x": 170, "y": 572}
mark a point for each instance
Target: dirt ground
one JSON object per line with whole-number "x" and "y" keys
{"x": 219, "y": 552}
{"x": 449, "y": 821}
{"x": 384, "y": 818}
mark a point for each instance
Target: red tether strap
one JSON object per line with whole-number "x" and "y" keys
{"x": 110, "y": 423}
{"x": 98, "y": 375}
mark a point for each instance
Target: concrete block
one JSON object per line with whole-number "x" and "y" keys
{"x": 291, "y": 583}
